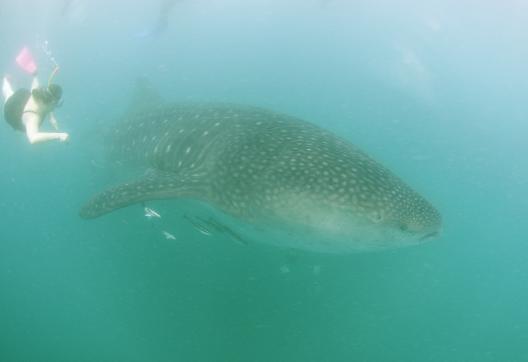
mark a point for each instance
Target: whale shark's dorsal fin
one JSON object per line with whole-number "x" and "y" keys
{"x": 144, "y": 96}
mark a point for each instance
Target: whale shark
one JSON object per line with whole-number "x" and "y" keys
{"x": 268, "y": 176}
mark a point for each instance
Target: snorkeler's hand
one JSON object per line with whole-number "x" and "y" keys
{"x": 63, "y": 137}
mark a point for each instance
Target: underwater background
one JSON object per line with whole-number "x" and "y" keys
{"x": 435, "y": 90}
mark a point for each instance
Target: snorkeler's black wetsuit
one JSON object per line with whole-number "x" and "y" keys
{"x": 14, "y": 108}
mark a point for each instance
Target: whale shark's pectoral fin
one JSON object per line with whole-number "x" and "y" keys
{"x": 212, "y": 222}
{"x": 154, "y": 185}
{"x": 209, "y": 226}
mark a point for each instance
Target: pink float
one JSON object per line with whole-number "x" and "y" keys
{"x": 25, "y": 61}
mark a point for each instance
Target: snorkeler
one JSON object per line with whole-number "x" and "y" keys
{"x": 25, "y": 110}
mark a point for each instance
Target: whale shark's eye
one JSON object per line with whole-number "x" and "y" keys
{"x": 404, "y": 227}
{"x": 376, "y": 216}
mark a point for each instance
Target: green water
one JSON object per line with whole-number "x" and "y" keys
{"x": 436, "y": 91}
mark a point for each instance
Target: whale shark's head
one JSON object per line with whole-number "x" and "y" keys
{"x": 324, "y": 223}
{"x": 421, "y": 222}
{"x": 391, "y": 215}
{"x": 339, "y": 199}
{"x": 404, "y": 221}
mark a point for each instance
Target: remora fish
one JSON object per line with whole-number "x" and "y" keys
{"x": 269, "y": 176}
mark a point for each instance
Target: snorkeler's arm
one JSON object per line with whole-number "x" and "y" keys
{"x": 34, "y": 83}
{"x": 53, "y": 121}
{"x": 31, "y": 121}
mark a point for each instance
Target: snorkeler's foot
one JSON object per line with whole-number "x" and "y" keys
{"x": 7, "y": 90}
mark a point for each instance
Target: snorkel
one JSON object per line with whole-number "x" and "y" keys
{"x": 52, "y": 94}
{"x": 53, "y": 74}
{"x": 59, "y": 100}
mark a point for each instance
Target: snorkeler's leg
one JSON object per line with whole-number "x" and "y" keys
{"x": 31, "y": 122}
{"x": 7, "y": 90}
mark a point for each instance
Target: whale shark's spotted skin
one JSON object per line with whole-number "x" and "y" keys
{"x": 288, "y": 180}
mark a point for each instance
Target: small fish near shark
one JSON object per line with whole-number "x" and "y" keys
{"x": 266, "y": 177}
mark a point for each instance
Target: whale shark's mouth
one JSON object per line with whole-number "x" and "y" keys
{"x": 432, "y": 235}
